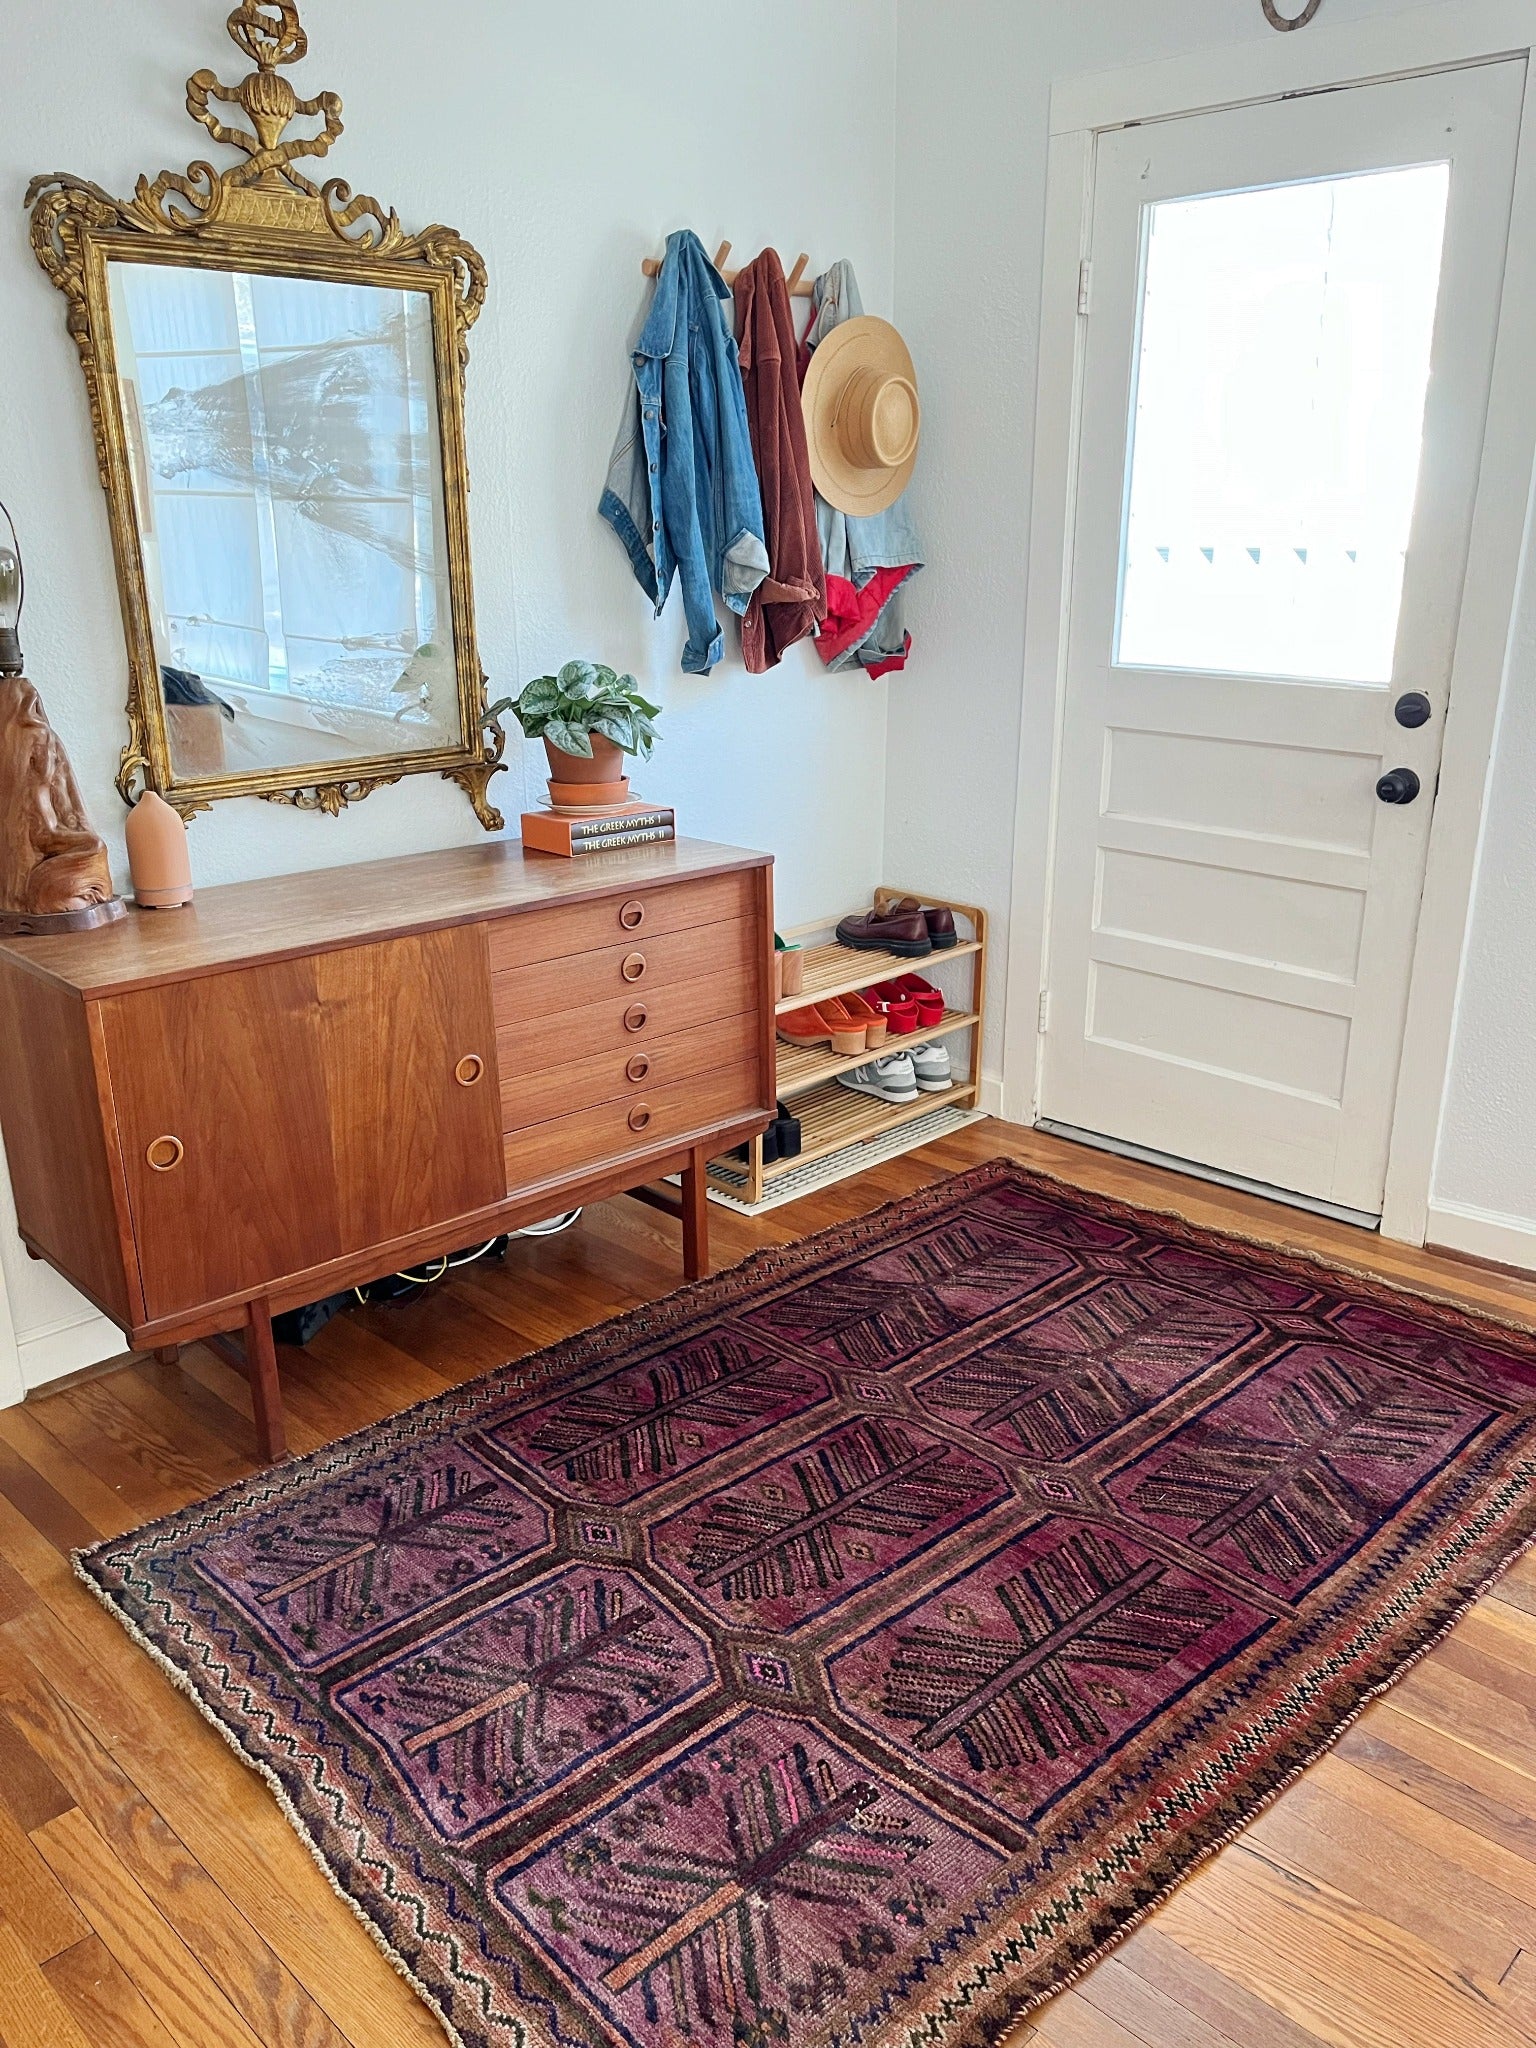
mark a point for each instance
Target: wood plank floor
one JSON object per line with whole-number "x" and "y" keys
{"x": 152, "y": 1896}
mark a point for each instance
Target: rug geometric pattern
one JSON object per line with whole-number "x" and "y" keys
{"x": 846, "y": 1649}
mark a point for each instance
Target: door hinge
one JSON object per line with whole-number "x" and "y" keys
{"x": 1045, "y": 1011}
{"x": 1085, "y": 286}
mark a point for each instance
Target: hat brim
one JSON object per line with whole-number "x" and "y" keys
{"x": 862, "y": 344}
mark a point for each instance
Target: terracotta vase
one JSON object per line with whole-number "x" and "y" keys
{"x": 573, "y": 779}
{"x": 157, "y": 854}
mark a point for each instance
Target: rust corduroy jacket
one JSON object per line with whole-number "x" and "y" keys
{"x": 791, "y": 601}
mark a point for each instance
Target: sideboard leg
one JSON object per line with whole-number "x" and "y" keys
{"x": 696, "y": 1215}
{"x": 266, "y": 1395}
{"x": 168, "y": 1354}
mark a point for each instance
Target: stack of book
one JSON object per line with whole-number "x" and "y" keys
{"x": 572, "y": 829}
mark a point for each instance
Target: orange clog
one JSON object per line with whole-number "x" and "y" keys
{"x": 873, "y": 1020}
{"x": 829, "y": 1022}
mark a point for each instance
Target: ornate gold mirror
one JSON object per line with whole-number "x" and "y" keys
{"x": 276, "y": 379}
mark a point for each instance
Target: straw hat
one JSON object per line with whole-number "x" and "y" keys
{"x": 862, "y": 418}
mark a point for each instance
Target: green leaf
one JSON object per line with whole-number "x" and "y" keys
{"x": 619, "y": 727}
{"x": 580, "y": 682}
{"x": 570, "y": 739}
{"x": 650, "y": 710}
{"x": 541, "y": 695}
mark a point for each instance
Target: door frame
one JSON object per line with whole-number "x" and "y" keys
{"x": 1426, "y": 39}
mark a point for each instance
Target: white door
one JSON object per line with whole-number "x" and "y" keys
{"x": 1289, "y": 338}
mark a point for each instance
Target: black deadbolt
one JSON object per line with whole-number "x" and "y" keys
{"x": 1400, "y": 786}
{"x": 1413, "y": 710}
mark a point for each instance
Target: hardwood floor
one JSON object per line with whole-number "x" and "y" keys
{"x": 152, "y": 1895}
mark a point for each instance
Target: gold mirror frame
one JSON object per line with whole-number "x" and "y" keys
{"x": 264, "y": 215}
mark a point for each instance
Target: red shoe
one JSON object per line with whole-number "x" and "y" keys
{"x": 911, "y": 988}
{"x": 902, "y": 1016}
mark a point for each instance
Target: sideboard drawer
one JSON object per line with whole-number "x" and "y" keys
{"x": 643, "y": 914}
{"x": 588, "y": 1139}
{"x": 533, "y": 1043}
{"x": 547, "y": 987}
{"x": 629, "y": 1071}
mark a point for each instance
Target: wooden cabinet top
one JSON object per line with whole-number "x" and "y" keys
{"x": 307, "y": 913}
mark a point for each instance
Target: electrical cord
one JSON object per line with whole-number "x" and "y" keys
{"x": 423, "y": 1277}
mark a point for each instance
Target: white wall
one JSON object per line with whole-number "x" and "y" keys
{"x": 974, "y": 81}
{"x": 564, "y": 142}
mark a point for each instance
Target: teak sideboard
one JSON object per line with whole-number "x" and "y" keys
{"x": 292, "y": 1086}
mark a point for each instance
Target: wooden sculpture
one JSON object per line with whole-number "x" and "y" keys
{"x": 53, "y": 868}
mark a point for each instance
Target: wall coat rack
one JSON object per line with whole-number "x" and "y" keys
{"x": 800, "y": 286}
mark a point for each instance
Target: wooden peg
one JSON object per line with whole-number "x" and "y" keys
{"x": 793, "y": 282}
{"x": 721, "y": 255}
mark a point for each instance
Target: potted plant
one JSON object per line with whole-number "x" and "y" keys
{"x": 589, "y": 718}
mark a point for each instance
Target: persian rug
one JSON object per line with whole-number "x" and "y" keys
{"x": 847, "y": 1649}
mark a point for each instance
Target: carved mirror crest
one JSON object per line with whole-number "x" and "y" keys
{"x": 275, "y": 372}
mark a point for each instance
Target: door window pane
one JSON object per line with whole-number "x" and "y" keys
{"x": 1278, "y": 425}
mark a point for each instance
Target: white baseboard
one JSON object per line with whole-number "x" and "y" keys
{"x": 59, "y": 1349}
{"x": 990, "y": 1100}
{"x": 1483, "y": 1233}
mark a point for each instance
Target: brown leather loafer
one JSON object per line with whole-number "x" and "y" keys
{"x": 898, "y": 931}
{"x": 940, "y": 921}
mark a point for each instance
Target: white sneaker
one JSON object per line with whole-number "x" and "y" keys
{"x": 891, "y": 1079}
{"x": 930, "y": 1065}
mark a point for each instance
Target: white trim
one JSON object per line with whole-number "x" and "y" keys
{"x": 12, "y": 1386}
{"x": 1069, "y": 214}
{"x": 989, "y": 1098}
{"x": 1425, "y": 38}
{"x": 1430, "y": 38}
{"x": 1502, "y": 533}
{"x": 62, "y": 1348}
{"x": 1483, "y": 1234}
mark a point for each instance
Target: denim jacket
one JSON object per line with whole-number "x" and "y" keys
{"x": 682, "y": 489}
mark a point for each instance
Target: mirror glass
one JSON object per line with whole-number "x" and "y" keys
{"x": 288, "y": 481}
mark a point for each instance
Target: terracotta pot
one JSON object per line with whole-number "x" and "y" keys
{"x": 606, "y": 764}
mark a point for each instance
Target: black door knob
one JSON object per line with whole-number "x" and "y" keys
{"x": 1413, "y": 710}
{"x": 1399, "y": 786}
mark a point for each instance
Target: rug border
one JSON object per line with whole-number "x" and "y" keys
{"x": 998, "y": 2009}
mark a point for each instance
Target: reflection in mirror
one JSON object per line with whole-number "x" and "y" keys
{"x": 288, "y": 479}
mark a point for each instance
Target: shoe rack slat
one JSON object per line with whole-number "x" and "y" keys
{"x": 839, "y": 970}
{"x": 803, "y": 1066}
{"x": 835, "y": 1119}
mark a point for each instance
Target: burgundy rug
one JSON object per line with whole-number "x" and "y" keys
{"x": 847, "y": 1649}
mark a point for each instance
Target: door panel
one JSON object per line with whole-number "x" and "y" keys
{"x": 411, "y": 1143}
{"x": 228, "y": 1068}
{"x": 1284, "y": 386}
{"x": 279, "y": 1116}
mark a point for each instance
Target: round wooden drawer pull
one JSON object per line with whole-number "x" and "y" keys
{"x": 469, "y": 1070}
{"x": 639, "y": 1117}
{"x": 636, "y": 1017}
{"x": 164, "y": 1153}
{"x": 634, "y": 966}
{"x": 632, "y": 916}
{"x": 638, "y": 1067}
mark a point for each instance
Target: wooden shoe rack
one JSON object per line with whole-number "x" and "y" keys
{"x": 834, "y": 1120}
